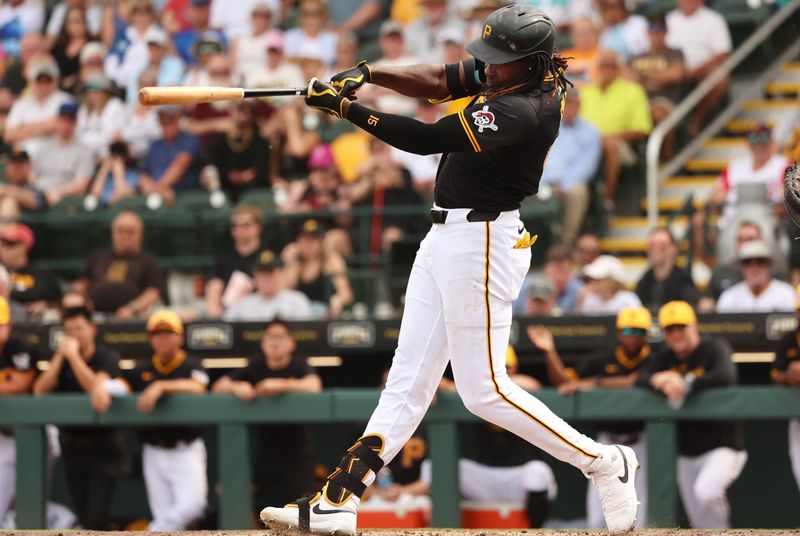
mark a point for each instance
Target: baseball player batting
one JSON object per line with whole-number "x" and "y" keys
{"x": 470, "y": 266}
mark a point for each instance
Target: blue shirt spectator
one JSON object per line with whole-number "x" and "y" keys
{"x": 572, "y": 163}
{"x": 18, "y": 18}
{"x": 201, "y": 30}
{"x": 172, "y": 163}
{"x": 575, "y": 155}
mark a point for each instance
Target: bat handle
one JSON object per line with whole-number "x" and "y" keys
{"x": 288, "y": 92}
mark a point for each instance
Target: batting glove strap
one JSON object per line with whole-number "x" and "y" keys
{"x": 323, "y": 96}
{"x": 349, "y": 81}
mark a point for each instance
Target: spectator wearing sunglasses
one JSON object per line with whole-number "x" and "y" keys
{"x": 711, "y": 454}
{"x": 619, "y": 368}
{"x": 758, "y": 291}
{"x": 762, "y": 164}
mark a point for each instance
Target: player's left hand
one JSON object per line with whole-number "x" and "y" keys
{"x": 322, "y": 96}
{"x": 149, "y": 397}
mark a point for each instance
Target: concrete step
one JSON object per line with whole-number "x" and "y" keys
{"x": 636, "y": 228}
{"x": 782, "y": 88}
{"x": 722, "y": 148}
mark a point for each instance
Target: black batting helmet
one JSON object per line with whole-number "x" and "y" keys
{"x": 514, "y": 32}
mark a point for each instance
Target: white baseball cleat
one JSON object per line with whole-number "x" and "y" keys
{"x": 614, "y": 478}
{"x": 322, "y": 518}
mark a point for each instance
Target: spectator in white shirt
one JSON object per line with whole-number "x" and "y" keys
{"x": 17, "y": 18}
{"x": 759, "y": 292}
{"x": 277, "y": 72}
{"x": 603, "y": 293}
{"x": 233, "y": 16}
{"x": 129, "y": 54}
{"x": 270, "y": 300}
{"x": 703, "y": 36}
{"x": 142, "y": 126}
{"x": 423, "y": 34}
{"x": 101, "y": 117}
{"x": 32, "y": 119}
{"x": 62, "y": 166}
{"x": 311, "y": 38}
{"x": 249, "y": 51}
{"x": 393, "y": 53}
{"x": 624, "y": 33}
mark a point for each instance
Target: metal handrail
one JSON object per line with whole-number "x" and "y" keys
{"x": 658, "y": 134}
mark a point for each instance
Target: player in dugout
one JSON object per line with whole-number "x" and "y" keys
{"x": 284, "y": 467}
{"x": 616, "y": 367}
{"x": 711, "y": 454}
{"x": 471, "y": 265}
{"x": 94, "y": 456}
{"x": 17, "y": 374}
{"x": 786, "y": 371}
{"x": 173, "y": 457}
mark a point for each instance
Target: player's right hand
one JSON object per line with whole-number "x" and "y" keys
{"x": 323, "y": 96}
{"x": 351, "y": 80}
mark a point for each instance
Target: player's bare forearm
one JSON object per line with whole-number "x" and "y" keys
{"x": 422, "y": 81}
{"x": 16, "y": 382}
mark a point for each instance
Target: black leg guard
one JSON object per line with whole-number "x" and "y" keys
{"x": 347, "y": 479}
{"x": 304, "y": 514}
{"x": 536, "y": 504}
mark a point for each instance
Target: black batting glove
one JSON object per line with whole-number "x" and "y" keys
{"x": 349, "y": 81}
{"x": 322, "y": 96}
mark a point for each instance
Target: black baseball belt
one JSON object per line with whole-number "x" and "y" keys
{"x": 440, "y": 216}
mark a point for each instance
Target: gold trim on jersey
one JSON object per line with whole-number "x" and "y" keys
{"x": 470, "y": 135}
{"x": 166, "y": 368}
{"x": 631, "y": 363}
{"x": 491, "y": 364}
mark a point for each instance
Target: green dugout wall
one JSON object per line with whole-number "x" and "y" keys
{"x": 769, "y": 476}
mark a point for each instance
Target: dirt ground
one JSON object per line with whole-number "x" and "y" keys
{"x": 433, "y": 532}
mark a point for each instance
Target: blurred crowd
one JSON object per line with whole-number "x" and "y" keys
{"x": 73, "y": 130}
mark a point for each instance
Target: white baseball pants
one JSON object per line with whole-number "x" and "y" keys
{"x": 704, "y": 481}
{"x": 458, "y": 308}
{"x": 594, "y": 510}
{"x": 794, "y": 449}
{"x": 177, "y": 486}
{"x": 8, "y": 472}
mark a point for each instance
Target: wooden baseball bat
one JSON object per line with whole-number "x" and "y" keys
{"x": 153, "y": 96}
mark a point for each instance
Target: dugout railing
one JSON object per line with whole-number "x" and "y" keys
{"x": 28, "y": 415}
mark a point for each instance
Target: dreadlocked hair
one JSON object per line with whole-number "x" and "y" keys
{"x": 543, "y": 68}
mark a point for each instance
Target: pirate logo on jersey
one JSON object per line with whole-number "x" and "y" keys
{"x": 484, "y": 119}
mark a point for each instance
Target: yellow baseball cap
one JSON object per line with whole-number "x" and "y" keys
{"x": 5, "y": 312}
{"x": 676, "y": 312}
{"x": 634, "y": 317}
{"x": 165, "y": 321}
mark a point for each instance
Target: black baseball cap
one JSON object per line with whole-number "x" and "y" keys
{"x": 19, "y": 156}
{"x": 267, "y": 261}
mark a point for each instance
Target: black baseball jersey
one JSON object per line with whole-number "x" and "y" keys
{"x": 283, "y": 442}
{"x": 493, "y": 151}
{"x": 181, "y": 367}
{"x": 510, "y": 138}
{"x": 104, "y": 360}
{"x": 613, "y": 363}
{"x": 712, "y": 367}
{"x": 17, "y": 355}
{"x": 406, "y": 467}
{"x": 788, "y": 352}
